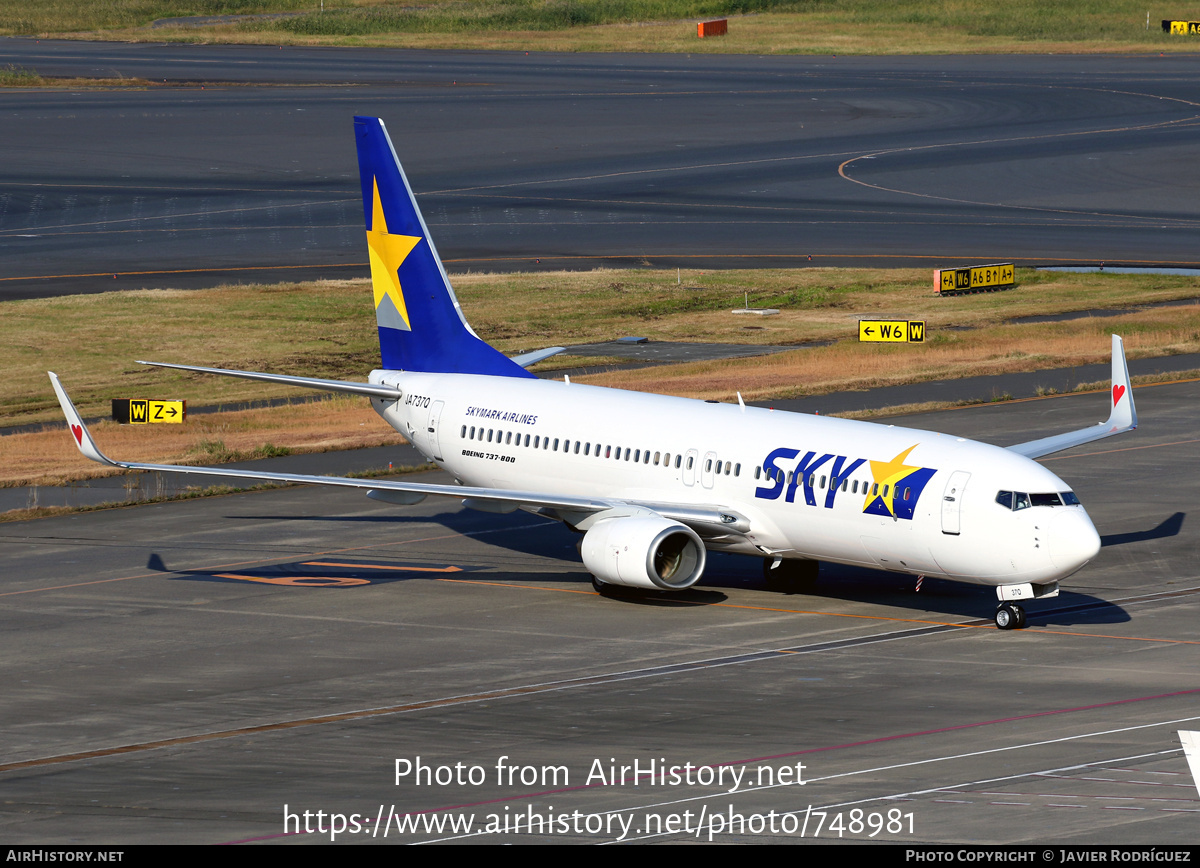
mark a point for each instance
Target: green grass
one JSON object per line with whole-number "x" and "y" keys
{"x": 529, "y": 15}
{"x": 760, "y": 26}
{"x": 19, "y": 17}
{"x": 328, "y": 329}
{"x": 216, "y": 452}
{"x": 16, "y": 76}
{"x": 1081, "y": 20}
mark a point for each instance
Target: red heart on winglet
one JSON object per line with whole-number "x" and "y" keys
{"x": 1118, "y": 391}
{"x": 78, "y": 432}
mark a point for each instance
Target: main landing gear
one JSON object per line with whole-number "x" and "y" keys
{"x": 604, "y": 589}
{"x": 1010, "y": 616}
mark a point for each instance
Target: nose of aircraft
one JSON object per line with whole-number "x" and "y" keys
{"x": 1072, "y": 540}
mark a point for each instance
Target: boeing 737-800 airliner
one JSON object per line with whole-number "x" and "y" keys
{"x": 654, "y": 482}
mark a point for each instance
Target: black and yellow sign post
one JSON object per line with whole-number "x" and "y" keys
{"x": 975, "y": 278}
{"x": 1181, "y": 28}
{"x": 894, "y": 331}
{"x": 130, "y": 411}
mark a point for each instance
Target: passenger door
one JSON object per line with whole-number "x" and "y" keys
{"x": 952, "y": 501}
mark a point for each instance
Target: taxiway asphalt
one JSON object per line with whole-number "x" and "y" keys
{"x": 240, "y": 165}
{"x": 200, "y": 671}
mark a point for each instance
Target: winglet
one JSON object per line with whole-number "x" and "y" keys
{"x": 1123, "y": 415}
{"x": 83, "y": 438}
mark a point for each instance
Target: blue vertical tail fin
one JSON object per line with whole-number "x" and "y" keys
{"x": 421, "y": 326}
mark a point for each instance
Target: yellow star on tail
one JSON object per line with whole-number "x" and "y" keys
{"x": 887, "y": 474}
{"x": 387, "y": 253}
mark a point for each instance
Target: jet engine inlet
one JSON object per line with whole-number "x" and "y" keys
{"x": 644, "y": 552}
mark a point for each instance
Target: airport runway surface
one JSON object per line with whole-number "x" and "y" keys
{"x": 242, "y": 166}
{"x": 209, "y": 671}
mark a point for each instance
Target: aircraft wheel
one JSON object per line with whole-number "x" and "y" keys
{"x": 1006, "y": 617}
{"x": 1022, "y": 619}
{"x": 600, "y": 587}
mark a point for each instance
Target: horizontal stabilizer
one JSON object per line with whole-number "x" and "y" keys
{"x": 527, "y": 359}
{"x": 375, "y": 390}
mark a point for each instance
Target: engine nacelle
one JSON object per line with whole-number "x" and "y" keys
{"x": 643, "y": 551}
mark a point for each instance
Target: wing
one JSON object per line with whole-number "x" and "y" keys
{"x": 1122, "y": 415}
{"x": 705, "y": 519}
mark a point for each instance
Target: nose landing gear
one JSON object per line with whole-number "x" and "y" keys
{"x": 1010, "y": 616}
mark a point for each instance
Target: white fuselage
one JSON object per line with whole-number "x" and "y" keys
{"x": 810, "y": 486}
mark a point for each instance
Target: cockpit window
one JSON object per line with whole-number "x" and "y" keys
{"x": 1015, "y": 500}
{"x": 1051, "y": 499}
